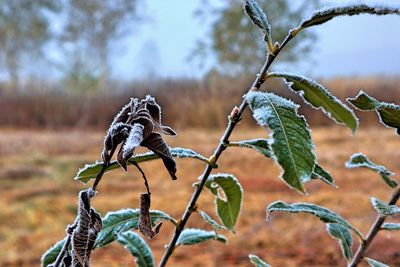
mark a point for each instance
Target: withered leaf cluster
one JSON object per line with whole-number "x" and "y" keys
{"x": 138, "y": 124}
{"x": 88, "y": 225}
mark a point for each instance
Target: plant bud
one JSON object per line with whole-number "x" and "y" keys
{"x": 234, "y": 113}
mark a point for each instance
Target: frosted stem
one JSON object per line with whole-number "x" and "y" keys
{"x": 359, "y": 256}
{"x": 260, "y": 78}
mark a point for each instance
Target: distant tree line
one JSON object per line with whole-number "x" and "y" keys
{"x": 83, "y": 32}
{"x": 232, "y": 36}
{"x": 83, "y": 35}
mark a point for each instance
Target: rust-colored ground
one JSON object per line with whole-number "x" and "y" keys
{"x": 38, "y": 197}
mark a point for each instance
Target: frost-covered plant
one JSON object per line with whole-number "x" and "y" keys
{"x": 290, "y": 145}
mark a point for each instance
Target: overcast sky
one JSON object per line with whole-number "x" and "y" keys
{"x": 361, "y": 45}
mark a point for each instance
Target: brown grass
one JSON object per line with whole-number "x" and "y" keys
{"x": 35, "y": 210}
{"x": 187, "y": 103}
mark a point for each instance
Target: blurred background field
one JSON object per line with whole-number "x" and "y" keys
{"x": 38, "y": 197}
{"x": 66, "y": 67}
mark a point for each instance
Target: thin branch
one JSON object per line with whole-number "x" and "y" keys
{"x": 218, "y": 151}
{"x": 146, "y": 184}
{"x": 99, "y": 176}
{"x": 60, "y": 256}
{"x": 102, "y": 171}
{"x": 359, "y": 256}
{"x": 64, "y": 249}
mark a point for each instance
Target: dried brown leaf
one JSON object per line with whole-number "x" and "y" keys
{"x": 88, "y": 225}
{"x": 122, "y": 131}
{"x": 145, "y": 225}
{"x": 156, "y": 144}
{"x": 144, "y": 120}
{"x": 116, "y": 134}
{"x": 167, "y": 130}
{"x": 155, "y": 112}
{"x": 124, "y": 113}
{"x": 153, "y": 108}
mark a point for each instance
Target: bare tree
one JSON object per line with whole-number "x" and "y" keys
{"x": 232, "y": 35}
{"x": 24, "y": 30}
{"x": 91, "y": 27}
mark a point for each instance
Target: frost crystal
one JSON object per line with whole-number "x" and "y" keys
{"x": 134, "y": 139}
{"x": 318, "y": 97}
{"x": 349, "y": 9}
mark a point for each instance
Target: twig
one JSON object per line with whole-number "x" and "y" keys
{"x": 60, "y": 255}
{"x": 103, "y": 169}
{"x": 146, "y": 184}
{"x": 64, "y": 248}
{"x": 99, "y": 176}
{"x": 373, "y": 231}
{"x": 218, "y": 151}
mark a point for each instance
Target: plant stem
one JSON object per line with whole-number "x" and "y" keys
{"x": 64, "y": 249}
{"x": 99, "y": 176}
{"x": 218, "y": 151}
{"x": 102, "y": 171}
{"x": 60, "y": 255}
{"x": 373, "y": 231}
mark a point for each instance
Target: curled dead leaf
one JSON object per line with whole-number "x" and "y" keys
{"x": 88, "y": 225}
{"x": 145, "y": 225}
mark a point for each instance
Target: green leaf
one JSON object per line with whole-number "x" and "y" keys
{"x": 259, "y": 18}
{"x": 359, "y": 160}
{"x": 228, "y": 197}
{"x": 343, "y": 235}
{"x": 317, "y": 96}
{"x": 50, "y": 255}
{"x": 323, "y": 175}
{"x": 261, "y": 145}
{"x": 89, "y": 171}
{"x": 390, "y": 226}
{"x": 324, "y": 15}
{"x": 195, "y": 236}
{"x": 292, "y": 144}
{"x": 324, "y": 214}
{"x": 364, "y": 102}
{"x": 211, "y": 221}
{"x": 264, "y": 147}
{"x": 374, "y": 263}
{"x": 384, "y": 209}
{"x": 137, "y": 247}
{"x": 389, "y": 114}
{"x": 257, "y": 261}
{"x": 123, "y": 220}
